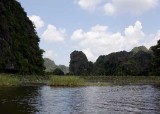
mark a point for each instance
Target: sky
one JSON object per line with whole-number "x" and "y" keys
{"x": 96, "y": 27}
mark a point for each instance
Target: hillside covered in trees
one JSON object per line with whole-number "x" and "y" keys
{"x": 138, "y": 62}
{"x": 50, "y": 66}
{"x": 19, "y": 43}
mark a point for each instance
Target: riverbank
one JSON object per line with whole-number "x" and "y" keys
{"x": 22, "y": 80}
{"x": 71, "y": 81}
{"x": 124, "y": 80}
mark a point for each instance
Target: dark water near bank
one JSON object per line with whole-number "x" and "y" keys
{"x": 84, "y": 100}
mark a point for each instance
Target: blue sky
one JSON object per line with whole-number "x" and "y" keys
{"x": 96, "y": 27}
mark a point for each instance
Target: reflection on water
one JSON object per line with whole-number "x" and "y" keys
{"x": 84, "y": 100}
{"x": 18, "y": 100}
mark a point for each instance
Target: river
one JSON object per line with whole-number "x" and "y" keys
{"x": 129, "y": 99}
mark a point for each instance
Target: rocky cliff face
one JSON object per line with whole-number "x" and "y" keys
{"x": 156, "y": 59}
{"x": 78, "y": 63}
{"x": 134, "y": 63}
{"x": 19, "y": 43}
{"x": 124, "y": 63}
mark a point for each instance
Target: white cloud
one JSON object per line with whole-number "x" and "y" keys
{"x": 129, "y": 6}
{"x": 88, "y": 4}
{"x": 99, "y": 41}
{"x": 118, "y": 6}
{"x": 53, "y": 34}
{"x": 109, "y": 9}
{"x": 50, "y": 54}
{"x": 37, "y": 21}
{"x": 89, "y": 53}
{"x": 77, "y": 35}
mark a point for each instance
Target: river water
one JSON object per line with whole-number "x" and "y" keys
{"x": 130, "y": 99}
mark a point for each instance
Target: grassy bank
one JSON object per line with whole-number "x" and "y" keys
{"x": 124, "y": 80}
{"x": 69, "y": 81}
{"x": 103, "y": 80}
{"x": 21, "y": 80}
{"x": 6, "y": 80}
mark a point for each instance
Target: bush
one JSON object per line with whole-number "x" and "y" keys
{"x": 58, "y": 71}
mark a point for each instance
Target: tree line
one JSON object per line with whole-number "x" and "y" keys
{"x": 138, "y": 62}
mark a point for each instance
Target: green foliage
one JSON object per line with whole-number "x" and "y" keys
{"x": 156, "y": 59}
{"x": 134, "y": 63}
{"x": 79, "y": 64}
{"x": 58, "y": 71}
{"x": 124, "y": 63}
{"x": 69, "y": 81}
{"x": 50, "y": 66}
{"x": 123, "y": 80}
{"x": 64, "y": 68}
{"x": 8, "y": 81}
{"x": 138, "y": 49}
{"x": 19, "y": 43}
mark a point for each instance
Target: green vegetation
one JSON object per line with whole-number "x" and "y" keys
{"x": 6, "y": 80}
{"x": 123, "y": 80}
{"x": 140, "y": 48}
{"x": 58, "y": 71}
{"x": 19, "y": 43}
{"x": 69, "y": 81}
{"x": 50, "y": 66}
{"x": 156, "y": 59}
{"x": 74, "y": 81}
{"x": 33, "y": 79}
{"x": 138, "y": 62}
{"x": 22, "y": 80}
{"x": 134, "y": 63}
{"x": 79, "y": 64}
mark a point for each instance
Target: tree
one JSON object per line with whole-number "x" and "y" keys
{"x": 156, "y": 59}
{"x": 58, "y": 71}
{"x": 134, "y": 63}
{"x": 51, "y": 66}
{"x": 19, "y": 43}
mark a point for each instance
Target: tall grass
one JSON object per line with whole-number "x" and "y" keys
{"x": 6, "y": 80}
{"x": 71, "y": 81}
{"x": 122, "y": 80}
{"x": 68, "y": 81}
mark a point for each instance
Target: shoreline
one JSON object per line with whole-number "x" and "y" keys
{"x": 76, "y": 81}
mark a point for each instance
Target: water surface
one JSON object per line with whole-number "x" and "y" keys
{"x": 83, "y": 100}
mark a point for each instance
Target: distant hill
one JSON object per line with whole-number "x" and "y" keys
{"x": 64, "y": 68}
{"x": 137, "y": 62}
{"x": 134, "y": 63}
{"x": 51, "y": 66}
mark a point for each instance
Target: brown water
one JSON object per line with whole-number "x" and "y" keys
{"x": 84, "y": 100}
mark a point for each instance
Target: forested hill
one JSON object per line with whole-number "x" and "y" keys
{"x": 19, "y": 43}
{"x": 138, "y": 62}
{"x": 50, "y": 66}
